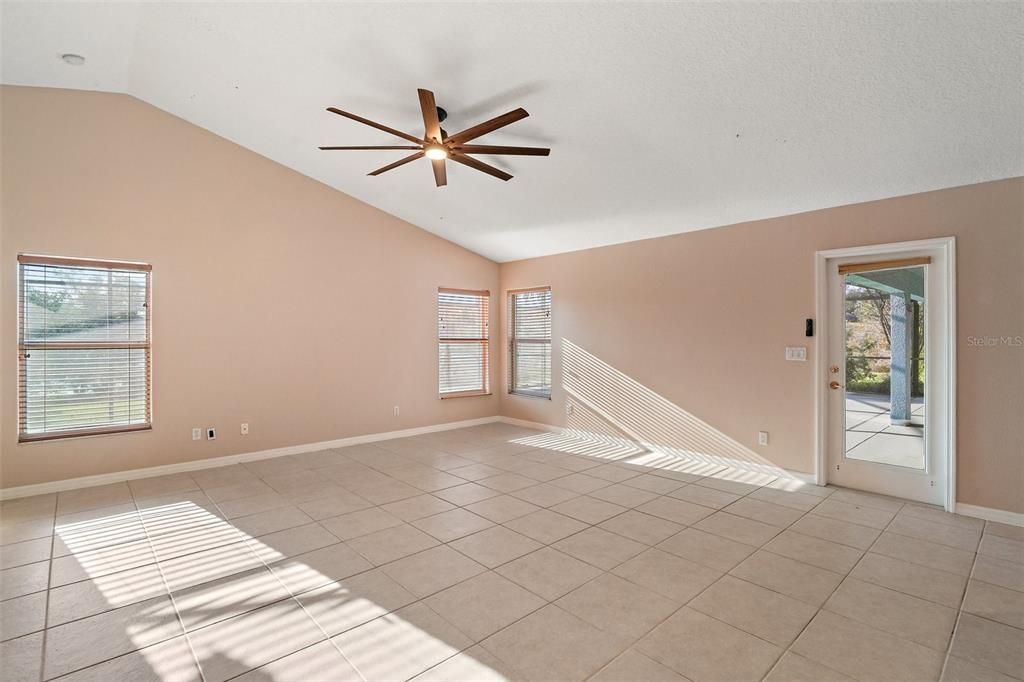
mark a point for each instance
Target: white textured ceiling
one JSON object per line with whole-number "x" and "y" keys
{"x": 662, "y": 118}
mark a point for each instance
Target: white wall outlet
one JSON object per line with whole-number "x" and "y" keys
{"x": 762, "y": 438}
{"x": 797, "y": 353}
{"x": 397, "y": 411}
{"x": 570, "y": 409}
{"x": 245, "y": 429}
{"x": 211, "y": 433}
{"x": 197, "y": 433}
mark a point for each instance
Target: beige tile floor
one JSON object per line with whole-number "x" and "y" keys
{"x": 494, "y": 553}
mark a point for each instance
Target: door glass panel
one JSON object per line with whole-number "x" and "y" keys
{"x": 884, "y": 322}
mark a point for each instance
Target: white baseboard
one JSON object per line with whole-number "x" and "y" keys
{"x": 531, "y": 425}
{"x": 212, "y": 462}
{"x": 990, "y": 514}
{"x": 803, "y": 477}
{"x": 987, "y": 513}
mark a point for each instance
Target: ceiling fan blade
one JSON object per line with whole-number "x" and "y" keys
{"x": 491, "y": 149}
{"x": 488, "y": 126}
{"x": 480, "y": 166}
{"x": 396, "y": 164}
{"x": 378, "y": 126}
{"x": 440, "y": 173}
{"x": 406, "y": 146}
{"x": 431, "y": 125}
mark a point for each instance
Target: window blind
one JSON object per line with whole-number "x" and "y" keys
{"x": 529, "y": 342}
{"x": 83, "y": 347}
{"x": 463, "y": 340}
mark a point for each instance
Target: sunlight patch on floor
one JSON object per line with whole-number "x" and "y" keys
{"x": 230, "y": 629}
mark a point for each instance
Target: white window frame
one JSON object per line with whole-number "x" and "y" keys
{"x": 512, "y": 339}
{"x": 26, "y": 346}
{"x": 484, "y": 341}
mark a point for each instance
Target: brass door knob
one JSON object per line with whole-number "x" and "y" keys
{"x": 834, "y": 385}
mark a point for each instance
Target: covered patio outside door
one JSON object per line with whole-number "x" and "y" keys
{"x": 884, "y": 325}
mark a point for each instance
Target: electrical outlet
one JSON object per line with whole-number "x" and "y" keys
{"x": 762, "y": 438}
{"x": 245, "y": 429}
{"x": 197, "y": 433}
{"x": 211, "y": 433}
{"x": 397, "y": 411}
{"x": 570, "y": 409}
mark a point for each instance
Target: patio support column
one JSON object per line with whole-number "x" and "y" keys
{"x": 901, "y": 347}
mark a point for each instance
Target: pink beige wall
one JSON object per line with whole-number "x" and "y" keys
{"x": 692, "y": 328}
{"x": 273, "y": 295}
{"x": 278, "y": 301}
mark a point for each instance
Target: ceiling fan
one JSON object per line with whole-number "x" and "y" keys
{"x": 437, "y": 145}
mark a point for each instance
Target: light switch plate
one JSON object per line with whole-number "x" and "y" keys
{"x": 796, "y": 353}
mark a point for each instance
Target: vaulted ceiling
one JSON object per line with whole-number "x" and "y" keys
{"x": 662, "y": 118}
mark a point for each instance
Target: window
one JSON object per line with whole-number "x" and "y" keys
{"x": 529, "y": 342}
{"x": 83, "y": 347}
{"x": 463, "y": 342}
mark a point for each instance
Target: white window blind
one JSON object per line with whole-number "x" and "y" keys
{"x": 529, "y": 342}
{"x": 83, "y": 347}
{"x": 463, "y": 340}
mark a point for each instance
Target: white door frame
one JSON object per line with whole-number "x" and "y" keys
{"x": 948, "y": 246}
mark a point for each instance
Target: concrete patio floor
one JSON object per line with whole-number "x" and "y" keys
{"x": 870, "y": 436}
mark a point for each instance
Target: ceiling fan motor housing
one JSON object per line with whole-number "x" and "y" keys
{"x": 441, "y": 116}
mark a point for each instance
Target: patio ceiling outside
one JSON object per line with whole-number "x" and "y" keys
{"x": 902, "y": 280}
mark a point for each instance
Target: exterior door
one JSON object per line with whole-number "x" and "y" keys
{"x": 888, "y": 365}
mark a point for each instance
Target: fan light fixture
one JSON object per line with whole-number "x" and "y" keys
{"x": 436, "y": 152}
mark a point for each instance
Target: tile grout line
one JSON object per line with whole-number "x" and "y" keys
{"x": 373, "y": 567}
{"x": 97, "y": 663}
{"x": 493, "y": 570}
{"x": 167, "y": 587}
{"x": 604, "y": 572}
{"x": 475, "y": 642}
{"x": 244, "y": 539}
{"x": 626, "y": 509}
{"x": 789, "y": 649}
{"x": 291, "y": 595}
{"x": 762, "y": 547}
{"x": 46, "y": 600}
{"x": 52, "y": 538}
{"x": 960, "y": 611}
{"x": 960, "y": 608}
{"x": 687, "y": 603}
{"x": 729, "y": 573}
